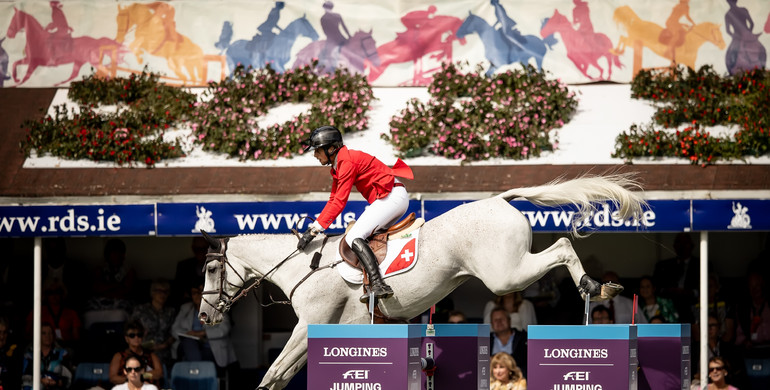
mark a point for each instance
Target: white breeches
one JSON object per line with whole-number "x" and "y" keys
{"x": 382, "y": 213}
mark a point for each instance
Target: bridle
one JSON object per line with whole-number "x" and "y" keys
{"x": 224, "y": 300}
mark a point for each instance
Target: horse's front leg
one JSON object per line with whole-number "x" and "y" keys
{"x": 289, "y": 361}
{"x": 23, "y": 61}
{"x": 75, "y": 70}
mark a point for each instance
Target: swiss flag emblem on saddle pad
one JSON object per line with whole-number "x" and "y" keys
{"x": 401, "y": 257}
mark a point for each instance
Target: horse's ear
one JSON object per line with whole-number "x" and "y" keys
{"x": 213, "y": 242}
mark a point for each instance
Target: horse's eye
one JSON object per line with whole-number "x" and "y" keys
{"x": 212, "y": 270}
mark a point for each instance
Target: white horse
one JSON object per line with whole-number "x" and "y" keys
{"x": 488, "y": 239}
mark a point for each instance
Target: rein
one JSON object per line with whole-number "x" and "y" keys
{"x": 226, "y": 301}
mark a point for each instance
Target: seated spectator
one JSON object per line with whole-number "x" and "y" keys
{"x": 66, "y": 322}
{"x": 718, "y": 305}
{"x": 657, "y": 320}
{"x": 114, "y": 282}
{"x": 133, "y": 332}
{"x": 506, "y": 339}
{"x": 718, "y": 371}
{"x": 58, "y": 268}
{"x": 678, "y": 278}
{"x": 753, "y": 332}
{"x": 621, "y": 308}
{"x": 506, "y": 375}
{"x": 10, "y": 358}
{"x": 601, "y": 315}
{"x": 521, "y": 311}
{"x": 196, "y": 342}
{"x": 157, "y": 318}
{"x": 719, "y": 348}
{"x": 456, "y": 317}
{"x": 55, "y": 372}
{"x": 652, "y": 305}
{"x": 134, "y": 372}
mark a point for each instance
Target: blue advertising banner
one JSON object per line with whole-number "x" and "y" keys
{"x": 187, "y": 219}
{"x": 662, "y": 216}
{"x": 177, "y": 219}
{"x": 68, "y": 221}
{"x": 731, "y": 215}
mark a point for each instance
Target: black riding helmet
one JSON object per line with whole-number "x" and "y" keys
{"x": 323, "y": 138}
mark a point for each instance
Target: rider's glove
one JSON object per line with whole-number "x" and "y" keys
{"x": 308, "y": 236}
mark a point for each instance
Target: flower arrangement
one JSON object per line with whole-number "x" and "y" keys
{"x": 698, "y": 99}
{"x": 132, "y": 133}
{"x": 472, "y": 117}
{"x": 226, "y": 122}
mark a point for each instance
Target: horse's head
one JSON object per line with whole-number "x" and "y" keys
{"x": 301, "y": 26}
{"x": 123, "y": 19}
{"x": 364, "y": 42}
{"x": 17, "y": 23}
{"x": 712, "y": 33}
{"x": 469, "y": 25}
{"x": 223, "y": 282}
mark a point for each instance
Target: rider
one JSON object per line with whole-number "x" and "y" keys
{"x": 331, "y": 23}
{"x": 387, "y": 197}
{"x": 507, "y": 25}
{"x": 266, "y": 28}
{"x": 59, "y": 27}
{"x": 674, "y": 33}
{"x": 581, "y": 18}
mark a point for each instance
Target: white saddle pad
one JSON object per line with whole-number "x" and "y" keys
{"x": 401, "y": 257}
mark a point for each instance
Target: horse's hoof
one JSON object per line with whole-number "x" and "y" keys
{"x": 589, "y": 286}
{"x": 609, "y": 290}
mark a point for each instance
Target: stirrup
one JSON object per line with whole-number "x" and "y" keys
{"x": 385, "y": 292}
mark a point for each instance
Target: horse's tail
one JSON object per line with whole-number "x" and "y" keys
{"x": 583, "y": 192}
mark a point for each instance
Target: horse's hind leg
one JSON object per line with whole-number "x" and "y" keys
{"x": 534, "y": 265}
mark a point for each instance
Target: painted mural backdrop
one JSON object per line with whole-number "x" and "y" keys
{"x": 395, "y": 43}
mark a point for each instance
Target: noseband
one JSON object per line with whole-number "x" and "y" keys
{"x": 224, "y": 301}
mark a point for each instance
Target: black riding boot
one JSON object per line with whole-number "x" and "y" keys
{"x": 366, "y": 257}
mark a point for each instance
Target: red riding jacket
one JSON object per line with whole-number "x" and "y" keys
{"x": 372, "y": 178}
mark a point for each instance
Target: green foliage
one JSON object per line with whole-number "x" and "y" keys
{"x": 226, "y": 121}
{"x": 472, "y": 117}
{"x": 131, "y": 133}
{"x": 700, "y": 99}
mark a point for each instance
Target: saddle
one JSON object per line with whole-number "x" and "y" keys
{"x": 378, "y": 241}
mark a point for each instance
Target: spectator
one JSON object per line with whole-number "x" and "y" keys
{"x": 601, "y": 315}
{"x": 719, "y": 348}
{"x": 506, "y": 375}
{"x": 157, "y": 318}
{"x": 718, "y": 371}
{"x": 65, "y": 321}
{"x": 58, "y": 268}
{"x": 521, "y": 310}
{"x": 194, "y": 342}
{"x": 134, "y": 335}
{"x": 189, "y": 271}
{"x": 55, "y": 373}
{"x": 456, "y": 317}
{"x": 719, "y": 306}
{"x": 620, "y": 308}
{"x": 114, "y": 281}
{"x": 134, "y": 372}
{"x": 10, "y": 358}
{"x": 753, "y": 331}
{"x": 506, "y": 339}
{"x": 678, "y": 278}
{"x": 658, "y": 320}
{"x": 652, "y": 305}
